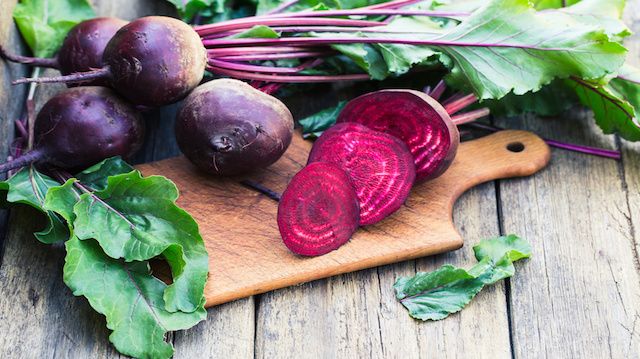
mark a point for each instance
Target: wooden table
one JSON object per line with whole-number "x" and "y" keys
{"x": 577, "y": 297}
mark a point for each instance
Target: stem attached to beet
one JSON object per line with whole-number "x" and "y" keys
{"x": 34, "y": 61}
{"x": 26, "y": 159}
{"x": 72, "y": 78}
{"x": 287, "y": 78}
{"x": 601, "y": 152}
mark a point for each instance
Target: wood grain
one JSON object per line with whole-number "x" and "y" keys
{"x": 241, "y": 235}
{"x": 578, "y": 297}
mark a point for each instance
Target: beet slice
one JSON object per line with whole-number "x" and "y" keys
{"x": 380, "y": 167}
{"x": 414, "y": 117}
{"x": 318, "y": 212}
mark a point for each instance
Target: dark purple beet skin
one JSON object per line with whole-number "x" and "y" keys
{"x": 84, "y": 125}
{"x": 414, "y": 117}
{"x": 380, "y": 166}
{"x": 84, "y": 45}
{"x": 155, "y": 60}
{"x": 226, "y": 127}
{"x": 319, "y": 211}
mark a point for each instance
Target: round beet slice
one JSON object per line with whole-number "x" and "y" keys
{"x": 319, "y": 211}
{"x": 414, "y": 117}
{"x": 380, "y": 167}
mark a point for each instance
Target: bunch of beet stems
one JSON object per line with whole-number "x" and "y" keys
{"x": 234, "y": 57}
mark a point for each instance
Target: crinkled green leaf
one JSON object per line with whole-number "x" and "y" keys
{"x": 45, "y": 23}
{"x": 612, "y": 105}
{"x": 366, "y": 56}
{"x": 95, "y": 177}
{"x": 550, "y": 100}
{"x": 61, "y": 200}
{"x": 605, "y": 14}
{"x": 258, "y": 31}
{"x": 136, "y": 218}
{"x": 552, "y": 4}
{"x": 435, "y": 295}
{"x": 314, "y": 125}
{"x": 28, "y": 186}
{"x": 128, "y": 296}
{"x": 507, "y": 46}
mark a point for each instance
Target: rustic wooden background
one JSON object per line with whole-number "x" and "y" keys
{"x": 578, "y": 297}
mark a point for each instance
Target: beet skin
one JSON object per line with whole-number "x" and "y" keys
{"x": 84, "y": 125}
{"x": 155, "y": 60}
{"x": 226, "y": 127}
{"x": 84, "y": 46}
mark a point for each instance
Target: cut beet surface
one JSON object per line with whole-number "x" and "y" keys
{"x": 319, "y": 211}
{"x": 380, "y": 167}
{"x": 414, "y": 117}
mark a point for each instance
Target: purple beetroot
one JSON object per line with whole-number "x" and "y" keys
{"x": 319, "y": 210}
{"x": 81, "y": 49}
{"x": 80, "y": 127}
{"x": 415, "y": 118}
{"x": 380, "y": 166}
{"x": 226, "y": 127}
{"x": 151, "y": 61}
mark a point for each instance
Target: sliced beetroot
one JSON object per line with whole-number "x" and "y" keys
{"x": 319, "y": 211}
{"x": 414, "y": 117}
{"x": 380, "y": 167}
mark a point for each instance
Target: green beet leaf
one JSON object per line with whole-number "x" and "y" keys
{"x": 507, "y": 46}
{"x": 258, "y": 31}
{"x": 45, "y": 23}
{"x": 136, "y": 218}
{"x": 436, "y": 295}
{"x": 314, "y": 125}
{"x": 188, "y": 8}
{"x": 28, "y": 186}
{"x": 615, "y": 105}
{"x": 128, "y": 296}
{"x": 95, "y": 177}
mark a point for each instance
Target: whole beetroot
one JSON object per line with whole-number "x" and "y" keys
{"x": 81, "y": 49}
{"x": 80, "y": 127}
{"x": 226, "y": 127}
{"x": 151, "y": 61}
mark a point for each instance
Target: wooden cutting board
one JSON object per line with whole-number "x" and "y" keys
{"x": 240, "y": 231}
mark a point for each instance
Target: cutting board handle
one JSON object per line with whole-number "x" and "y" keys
{"x": 504, "y": 154}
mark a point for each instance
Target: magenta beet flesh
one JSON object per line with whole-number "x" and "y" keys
{"x": 380, "y": 167}
{"x": 318, "y": 212}
{"x": 414, "y": 117}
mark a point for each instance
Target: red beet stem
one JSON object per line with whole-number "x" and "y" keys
{"x": 34, "y": 61}
{"x": 26, "y": 159}
{"x": 371, "y": 12}
{"x": 470, "y": 116}
{"x": 286, "y": 78}
{"x": 255, "y": 49}
{"x": 248, "y": 23}
{"x": 457, "y": 105}
{"x": 258, "y": 68}
{"x": 601, "y": 152}
{"x": 438, "y": 90}
{"x": 259, "y": 57}
{"x": 72, "y": 78}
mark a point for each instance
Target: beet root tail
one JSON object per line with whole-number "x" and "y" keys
{"x": 26, "y": 159}
{"x": 72, "y": 78}
{"x": 34, "y": 61}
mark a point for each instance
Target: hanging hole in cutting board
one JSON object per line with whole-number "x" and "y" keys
{"x": 515, "y": 147}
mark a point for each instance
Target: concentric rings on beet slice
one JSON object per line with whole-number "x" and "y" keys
{"x": 380, "y": 166}
{"x": 414, "y": 117}
{"x": 319, "y": 210}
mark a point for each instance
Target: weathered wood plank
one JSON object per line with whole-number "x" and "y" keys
{"x": 578, "y": 297}
{"x": 357, "y": 315}
{"x": 39, "y": 316}
{"x": 11, "y": 100}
